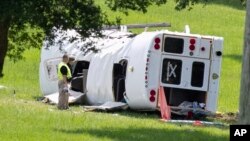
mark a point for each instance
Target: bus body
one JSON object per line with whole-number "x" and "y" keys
{"x": 131, "y": 68}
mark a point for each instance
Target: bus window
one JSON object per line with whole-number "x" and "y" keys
{"x": 171, "y": 71}
{"x": 119, "y": 77}
{"x": 78, "y": 67}
{"x": 173, "y": 45}
{"x": 79, "y": 76}
{"x": 197, "y": 74}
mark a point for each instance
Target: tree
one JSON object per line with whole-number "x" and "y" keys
{"x": 244, "y": 108}
{"x": 243, "y": 2}
{"x": 142, "y": 5}
{"x": 18, "y": 17}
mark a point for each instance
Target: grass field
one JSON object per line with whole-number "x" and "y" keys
{"x": 24, "y": 118}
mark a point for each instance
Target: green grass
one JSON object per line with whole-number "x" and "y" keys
{"x": 31, "y": 120}
{"x": 23, "y": 76}
{"x": 24, "y": 118}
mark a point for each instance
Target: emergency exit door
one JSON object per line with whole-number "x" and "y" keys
{"x": 185, "y": 72}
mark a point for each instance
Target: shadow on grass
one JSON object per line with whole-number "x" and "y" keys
{"x": 219, "y": 122}
{"x": 147, "y": 134}
{"x": 234, "y": 57}
{"x": 140, "y": 114}
{"x": 38, "y": 98}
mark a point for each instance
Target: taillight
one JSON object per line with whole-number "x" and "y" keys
{"x": 157, "y": 40}
{"x": 157, "y": 46}
{"x": 152, "y": 96}
{"x": 157, "y": 43}
{"x": 152, "y": 99}
{"x": 191, "y": 47}
{"x": 192, "y": 44}
{"x": 192, "y": 41}
{"x": 152, "y": 92}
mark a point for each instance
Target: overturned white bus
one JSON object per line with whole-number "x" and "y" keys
{"x": 131, "y": 68}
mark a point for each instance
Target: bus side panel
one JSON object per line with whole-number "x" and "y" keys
{"x": 214, "y": 75}
{"x": 154, "y": 75}
{"x": 136, "y": 94}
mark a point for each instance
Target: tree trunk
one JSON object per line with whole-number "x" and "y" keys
{"x": 244, "y": 109}
{"x": 4, "y": 28}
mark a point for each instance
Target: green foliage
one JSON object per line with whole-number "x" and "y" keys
{"x": 26, "y": 38}
{"x": 137, "y": 5}
{"x": 243, "y": 2}
{"x": 182, "y": 4}
{"x": 22, "y": 15}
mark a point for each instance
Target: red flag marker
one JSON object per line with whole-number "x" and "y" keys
{"x": 164, "y": 107}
